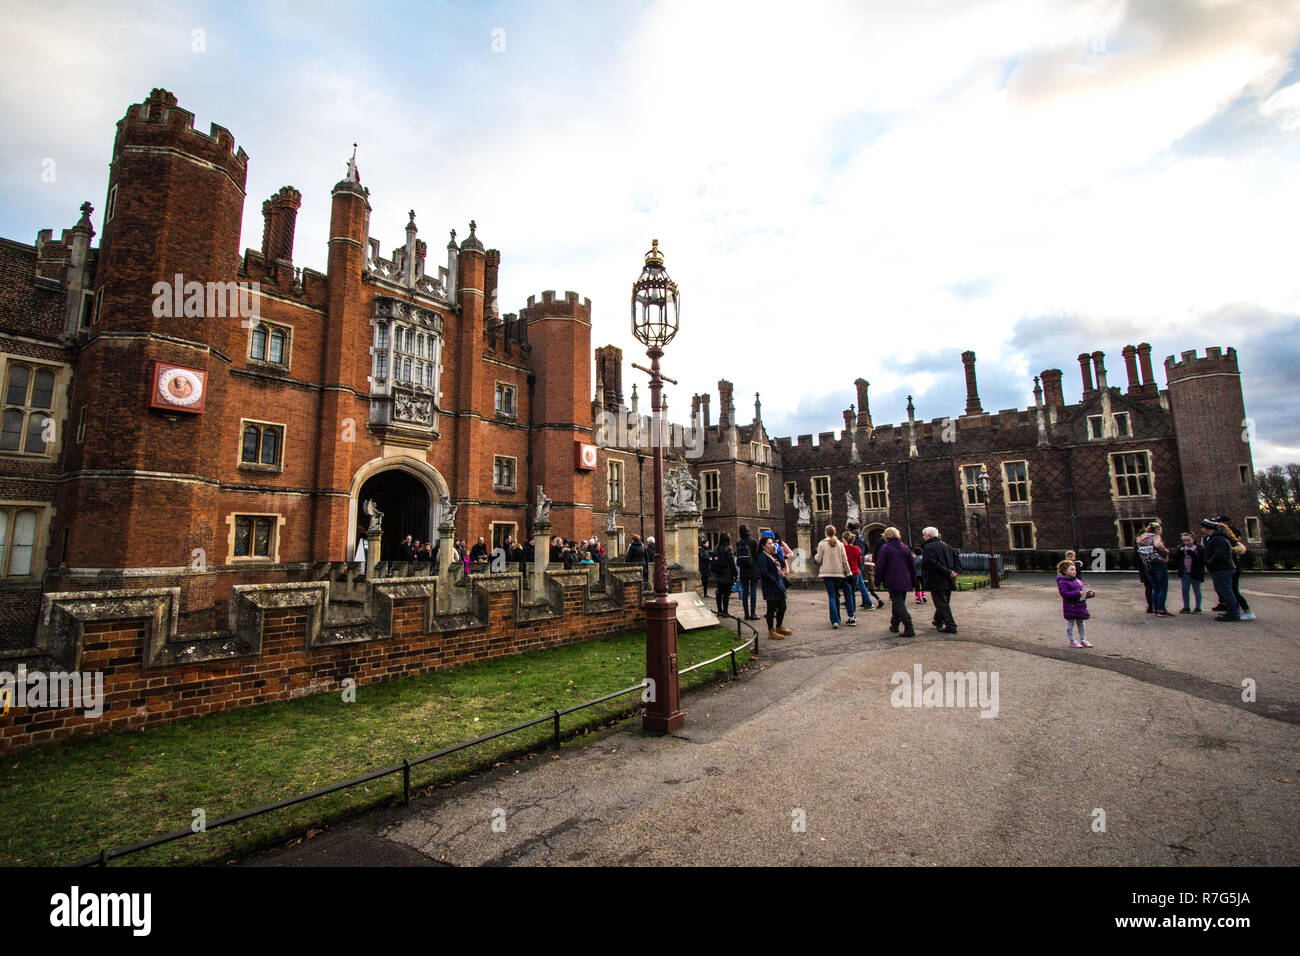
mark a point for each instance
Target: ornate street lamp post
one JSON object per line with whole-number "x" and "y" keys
{"x": 654, "y": 323}
{"x": 988, "y": 523}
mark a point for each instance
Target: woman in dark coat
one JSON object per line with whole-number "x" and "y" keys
{"x": 896, "y": 573}
{"x": 725, "y": 573}
{"x": 773, "y": 581}
{"x": 704, "y": 558}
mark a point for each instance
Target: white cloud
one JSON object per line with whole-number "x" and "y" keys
{"x": 819, "y": 177}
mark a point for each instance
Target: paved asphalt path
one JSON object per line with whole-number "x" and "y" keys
{"x": 806, "y": 760}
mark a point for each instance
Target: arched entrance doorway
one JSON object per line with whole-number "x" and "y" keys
{"x": 873, "y": 533}
{"x": 404, "y": 500}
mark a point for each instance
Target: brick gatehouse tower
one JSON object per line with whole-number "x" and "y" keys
{"x": 219, "y": 417}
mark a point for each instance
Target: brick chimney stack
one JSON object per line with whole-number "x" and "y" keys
{"x": 1149, "y": 386}
{"x": 1085, "y": 369}
{"x": 1099, "y": 364}
{"x": 726, "y": 410}
{"x": 972, "y": 392}
{"x": 1053, "y": 394}
{"x": 704, "y": 405}
{"x": 1131, "y": 367}
{"x": 864, "y": 410}
{"x": 609, "y": 372}
{"x": 280, "y": 217}
{"x": 849, "y": 419}
{"x": 491, "y": 269}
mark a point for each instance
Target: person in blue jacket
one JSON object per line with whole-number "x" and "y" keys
{"x": 774, "y": 588}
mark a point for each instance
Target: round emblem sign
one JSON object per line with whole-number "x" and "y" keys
{"x": 179, "y": 387}
{"x": 588, "y": 456}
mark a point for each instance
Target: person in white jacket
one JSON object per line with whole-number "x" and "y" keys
{"x": 834, "y": 562}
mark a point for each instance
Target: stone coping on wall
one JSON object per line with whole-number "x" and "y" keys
{"x": 64, "y": 614}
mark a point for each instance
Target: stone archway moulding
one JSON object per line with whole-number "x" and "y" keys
{"x": 418, "y": 468}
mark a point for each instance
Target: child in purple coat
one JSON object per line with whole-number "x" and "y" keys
{"x": 1074, "y": 601}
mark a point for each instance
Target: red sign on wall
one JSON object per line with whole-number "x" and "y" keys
{"x": 586, "y": 456}
{"x": 176, "y": 388}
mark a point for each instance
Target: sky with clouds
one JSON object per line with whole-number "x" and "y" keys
{"x": 840, "y": 190}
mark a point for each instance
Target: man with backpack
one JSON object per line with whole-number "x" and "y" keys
{"x": 747, "y": 562}
{"x": 939, "y": 568}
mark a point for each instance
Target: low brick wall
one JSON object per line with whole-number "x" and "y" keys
{"x": 282, "y": 644}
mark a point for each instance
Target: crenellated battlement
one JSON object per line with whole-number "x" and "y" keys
{"x": 1215, "y": 360}
{"x": 159, "y": 123}
{"x": 552, "y": 306}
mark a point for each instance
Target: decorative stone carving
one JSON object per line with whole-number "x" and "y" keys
{"x": 801, "y": 504}
{"x": 413, "y": 408}
{"x": 448, "y": 508}
{"x": 543, "y": 515}
{"x": 376, "y": 517}
{"x": 611, "y": 522}
{"x": 681, "y": 492}
{"x": 855, "y": 513}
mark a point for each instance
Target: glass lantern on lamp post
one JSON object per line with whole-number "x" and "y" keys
{"x": 655, "y": 308}
{"x": 988, "y": 523}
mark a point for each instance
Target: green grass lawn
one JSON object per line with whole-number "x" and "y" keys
{"x": 65, "y": 802}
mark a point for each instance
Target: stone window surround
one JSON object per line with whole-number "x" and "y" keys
{"x": 513, "y": 532}
{"x": 863, "y": 491}
{"x": 257, "y": 465}
{"x": 1115, "y": 475}
{"x": 499, "y": 389}
{"x": 1137, "y": 523}
{"x": 276, "y": 528}
{"x": 966, "y": 487}
{"x": 1011, "y": 535}
{"x": 40, "y": 537}
{"x": 1007, "y": 483}
{"x": 762, "y": 492}
{"x": 716, "y": 490}
{"x": 613, "y": 465}
{"x": 270, "y": 327}
{"x": 514, "y": 473}
{"x": 815, "y": 508}
{"x": 58, "y": 409}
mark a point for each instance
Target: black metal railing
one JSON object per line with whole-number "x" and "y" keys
{"x": 404, "y": 768}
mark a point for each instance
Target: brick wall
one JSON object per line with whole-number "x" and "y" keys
{"x": 286, "y": 668}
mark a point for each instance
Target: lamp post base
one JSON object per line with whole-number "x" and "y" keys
{"x": 663, "y": 712}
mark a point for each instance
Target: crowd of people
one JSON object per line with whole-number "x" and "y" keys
{"x": 848, "y": 570}
{"x": 1217, "y": 552}
{"x": 562, "y": 551}
{"x": 853, "y": 573}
